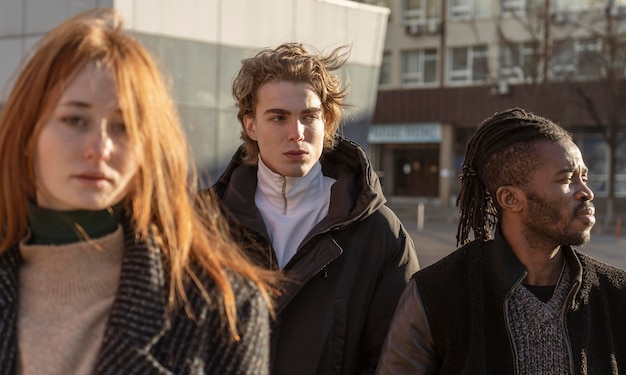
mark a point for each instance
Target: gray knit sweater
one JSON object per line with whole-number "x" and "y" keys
{"x": 538, "y": 331}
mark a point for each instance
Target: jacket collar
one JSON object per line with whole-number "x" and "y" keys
{"x": 505, "y": 265}
{"x": 510, "y": 271}
{"x": 357, "y": 193}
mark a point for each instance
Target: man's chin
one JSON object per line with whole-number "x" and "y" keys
{"x": 582, "y": 239}
{"x": 296, "y": 172}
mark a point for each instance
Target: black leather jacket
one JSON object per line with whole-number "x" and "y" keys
{"x": 451, "y": 318}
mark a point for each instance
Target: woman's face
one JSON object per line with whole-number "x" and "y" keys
{"x": 83, "y": 158}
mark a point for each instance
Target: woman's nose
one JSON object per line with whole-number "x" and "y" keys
{"x": 99, "y": 144}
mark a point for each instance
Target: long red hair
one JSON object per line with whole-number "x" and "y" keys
{"x": 162, "y": 197}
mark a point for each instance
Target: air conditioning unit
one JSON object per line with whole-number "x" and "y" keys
{"x": 501, "y": 87}
{"x": 433, "y": 26}
{"x": 414, "y": 28}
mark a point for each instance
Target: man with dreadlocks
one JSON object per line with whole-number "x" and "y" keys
{"x": 518, "y": 299}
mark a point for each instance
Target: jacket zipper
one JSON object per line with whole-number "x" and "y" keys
{"x": 505, "y": 306}
{"x": 284, "y": 193}
{"x": 568, "y": 301}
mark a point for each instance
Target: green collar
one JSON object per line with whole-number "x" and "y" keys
{"x": 51, "y": 227}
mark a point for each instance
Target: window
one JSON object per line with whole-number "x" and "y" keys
{"x": 467, "y": 64}
{"x": 421, "y": 10}
{"x": 419, "y": 67}
{"x": 512, "y": 6}
{"x": 519, "y": 6}
{"x": 469, "y": 8}
{"x": 385, "y": 69}
{"x": 519, "y": 63}
{"x": 576, "y": 5}
{"x": 576, "y": 59}
{"x": 422, "y": 16}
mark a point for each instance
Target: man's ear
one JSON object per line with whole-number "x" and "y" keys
{"x": 510, "y": 198}
{"x": 249, "y": 124}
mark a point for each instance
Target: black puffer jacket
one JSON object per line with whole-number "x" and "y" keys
{"x": 346, "y": 277}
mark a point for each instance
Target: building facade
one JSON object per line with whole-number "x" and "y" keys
{"x": 449, "y": 64}
{"x": 200, "y": 44}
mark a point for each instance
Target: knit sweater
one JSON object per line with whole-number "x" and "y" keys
{"x": 66, "y": 294}
{"x": 537, "y": 330}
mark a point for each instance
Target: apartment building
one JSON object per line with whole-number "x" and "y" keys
{"x": 448, "y": 64}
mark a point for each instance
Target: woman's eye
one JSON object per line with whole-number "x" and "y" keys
{"x": 119, "y": 127}
{"x": 74, "y": 121}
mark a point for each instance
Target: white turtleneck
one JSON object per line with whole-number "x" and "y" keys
{"x": 291, "y": 206}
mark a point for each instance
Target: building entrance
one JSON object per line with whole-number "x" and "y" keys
{"x": 416, "y": 171}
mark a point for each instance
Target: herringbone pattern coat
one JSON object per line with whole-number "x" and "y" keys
{"x": 141, "y": 337}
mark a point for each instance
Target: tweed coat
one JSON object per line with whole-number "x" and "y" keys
{"x": 142, "y": 336}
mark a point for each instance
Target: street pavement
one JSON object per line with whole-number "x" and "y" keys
{"x": 436, "y": 237}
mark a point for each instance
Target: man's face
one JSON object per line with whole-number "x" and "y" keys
{"x": 560, "y": 211}
{"x": 288, "y": 125}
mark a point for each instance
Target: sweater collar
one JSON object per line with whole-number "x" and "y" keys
{"x": 52, "y": 227}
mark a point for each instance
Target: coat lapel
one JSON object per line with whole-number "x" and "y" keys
{"x": 9, "y": 265}
{"x": 138, "y": 317}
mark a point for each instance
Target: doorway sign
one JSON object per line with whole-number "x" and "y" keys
{"x": 405, "y": 133}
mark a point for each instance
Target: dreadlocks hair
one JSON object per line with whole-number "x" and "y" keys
{"x": 499, "y": 153}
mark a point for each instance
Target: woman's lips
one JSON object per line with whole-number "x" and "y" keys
{"x": 94, "y": 179}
